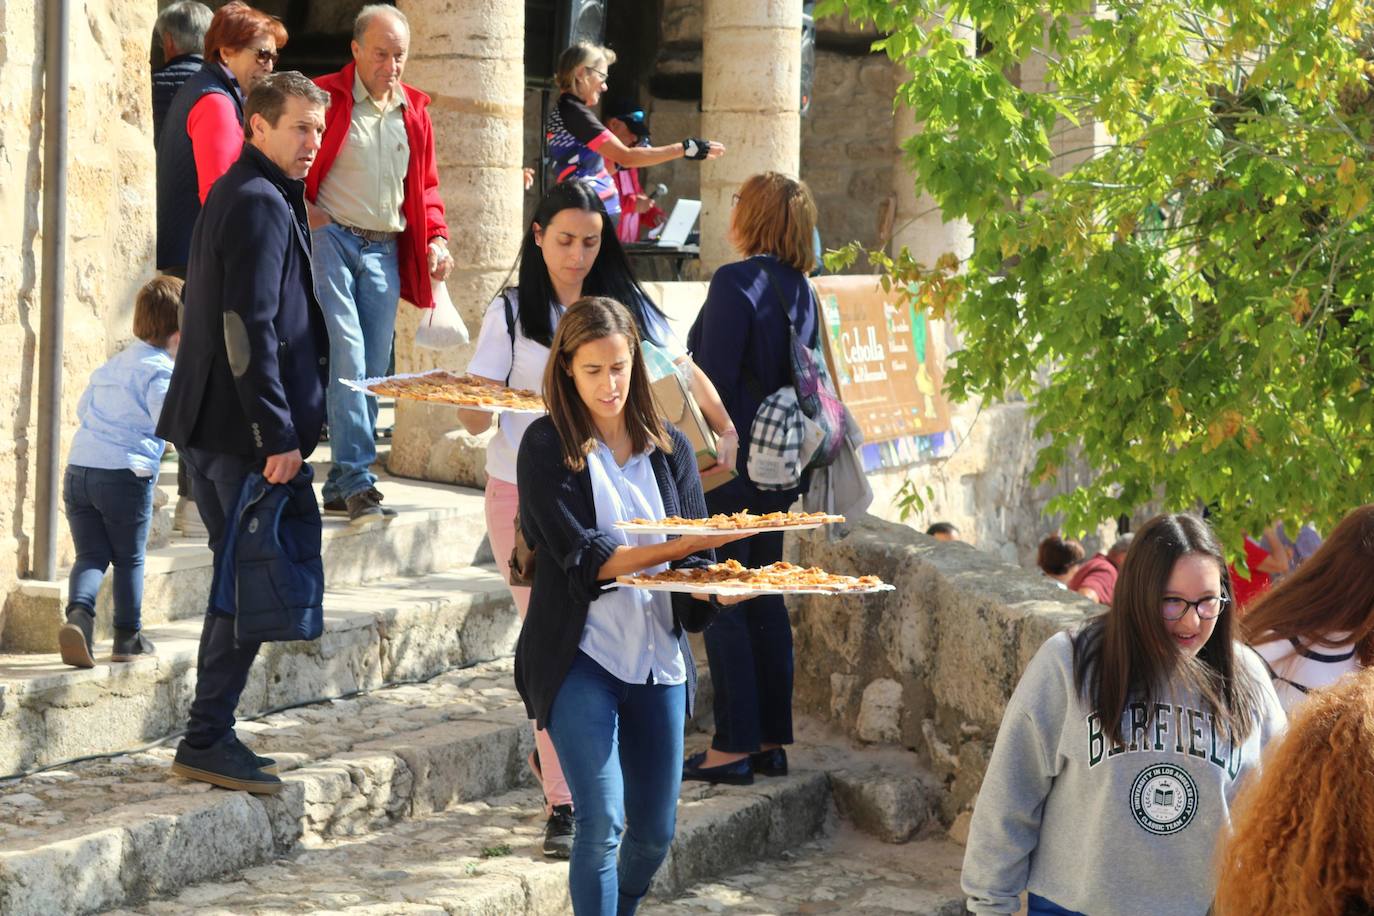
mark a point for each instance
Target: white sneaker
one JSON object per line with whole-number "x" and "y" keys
{"x": 186, "y": 520}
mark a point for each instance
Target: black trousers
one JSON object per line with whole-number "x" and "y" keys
{"x": 749, "y": 645}
{"x": 223, "y": 663}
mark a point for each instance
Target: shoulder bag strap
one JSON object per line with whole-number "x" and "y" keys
{"x": 510, "y": 329}
{"x": 750, "y": 379}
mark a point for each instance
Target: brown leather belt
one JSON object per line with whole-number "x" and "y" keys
{"x": 370, "y": 235}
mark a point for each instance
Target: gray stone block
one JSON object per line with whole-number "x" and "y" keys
{"x": 893, "y": 806}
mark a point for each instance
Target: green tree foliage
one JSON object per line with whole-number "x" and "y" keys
{"x": 1187, "y": 302}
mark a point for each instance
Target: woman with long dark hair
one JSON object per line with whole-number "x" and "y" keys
{"x": 1317, "y": 624}
{"x": 1302, "y": 840}
{"x": 569, "y": 252}
{"x": 1123, "y": 745}
{"x": 609, "y": 673}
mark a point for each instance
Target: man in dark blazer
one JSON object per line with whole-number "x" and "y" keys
{"x": 247, "y": 394}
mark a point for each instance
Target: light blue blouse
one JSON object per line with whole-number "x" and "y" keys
{"x": 629, "y": 631}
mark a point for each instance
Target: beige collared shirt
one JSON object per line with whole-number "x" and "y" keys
{"x": 366, "y": 184}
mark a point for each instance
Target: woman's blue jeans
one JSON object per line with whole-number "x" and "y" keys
{"x": 621, "y": 749}
{"x": 1039, "y": 906}
{"x": 109, "y": 512}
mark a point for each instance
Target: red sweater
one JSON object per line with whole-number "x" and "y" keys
{"x": 421, "y": 206}
{"x": 1098, "y": 574}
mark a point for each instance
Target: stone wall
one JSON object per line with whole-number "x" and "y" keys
{"x": 110, "y": 213}
{"x": 931, "y": 665}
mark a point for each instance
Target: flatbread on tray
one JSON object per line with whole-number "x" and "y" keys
{"x": 442, "y": 386}
{"x": 733, "y": 523}
{"x": 733, "y": 578}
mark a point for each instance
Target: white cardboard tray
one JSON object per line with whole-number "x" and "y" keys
{"x": 710, "y": 532}
{"x": 732, "y": 590}
{"x": 362, "y": 385}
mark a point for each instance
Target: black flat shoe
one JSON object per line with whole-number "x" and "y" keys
{"x": 739, "y": 773}
{"x": 769, "y": 763}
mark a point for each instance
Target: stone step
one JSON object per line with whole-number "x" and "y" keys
{"x": 483, "y": 857}
{"x": 375, "y": 633}
{"x": 112, "y": 832}
{"x": 846, "y": 873}
{"x": 438, "y": 527}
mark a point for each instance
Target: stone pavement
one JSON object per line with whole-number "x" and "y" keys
{"x": 848, "y": 873}
{"x": 482, "y": 858}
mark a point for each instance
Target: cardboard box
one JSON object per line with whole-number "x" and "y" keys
{"x": 675, "y": 405}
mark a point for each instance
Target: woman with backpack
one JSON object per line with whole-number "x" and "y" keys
{"x": 569, "y": 251}
{"x": 743, "y": 340}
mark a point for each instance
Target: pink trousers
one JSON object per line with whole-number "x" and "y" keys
{"x": 503, "y": 500}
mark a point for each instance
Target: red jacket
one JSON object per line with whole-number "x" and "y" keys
{"x": 421, "y": 206}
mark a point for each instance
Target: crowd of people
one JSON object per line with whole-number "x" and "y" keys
{"x": 294, "y": 215}
{"x": 1157, "y": 736}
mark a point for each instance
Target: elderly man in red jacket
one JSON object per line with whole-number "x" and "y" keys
{"x": 379, "y": 235}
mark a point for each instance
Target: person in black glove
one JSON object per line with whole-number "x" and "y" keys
{"x": 580, "y": 145}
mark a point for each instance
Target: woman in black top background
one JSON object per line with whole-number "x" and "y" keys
{"x": 579, "y": 144}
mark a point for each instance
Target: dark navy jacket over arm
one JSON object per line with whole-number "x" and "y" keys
{"x": 558, "y": 516}
{"x": 253, "y": 362}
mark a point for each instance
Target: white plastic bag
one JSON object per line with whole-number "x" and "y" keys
{"x": 443, "y": 327}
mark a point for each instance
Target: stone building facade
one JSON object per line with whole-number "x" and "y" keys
{"x": 110, "y": 210}
{"x": 467, "y": 55}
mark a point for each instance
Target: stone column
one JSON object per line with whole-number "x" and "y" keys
{"x": 751, "y": 92}
{"x": 468, "y": 55}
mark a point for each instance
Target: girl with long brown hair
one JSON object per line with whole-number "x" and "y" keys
{"x": 608, "y": 672}
{"x": 1317, "y": 624}
{"x": 1302, "y": 840}
{"x": 1123, "y": 744}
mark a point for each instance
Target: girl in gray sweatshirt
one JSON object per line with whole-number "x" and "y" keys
{"x": 1123, "y": 745}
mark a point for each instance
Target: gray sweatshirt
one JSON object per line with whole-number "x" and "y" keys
{"x": 1101, "y": 831}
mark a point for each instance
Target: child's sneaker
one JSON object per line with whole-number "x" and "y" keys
{"x": 75, "y": 639}
{"x": 129, "y": 645}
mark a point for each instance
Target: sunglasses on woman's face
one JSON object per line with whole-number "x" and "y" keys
{"x": 265, "y": 55}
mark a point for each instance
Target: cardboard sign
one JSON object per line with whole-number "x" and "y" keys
{"x": 882, "y": 360}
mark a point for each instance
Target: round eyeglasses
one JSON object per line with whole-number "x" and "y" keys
{"x": 1207, "y": 608}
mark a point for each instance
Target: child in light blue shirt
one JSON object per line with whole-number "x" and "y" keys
{"x": 112, "y": 469}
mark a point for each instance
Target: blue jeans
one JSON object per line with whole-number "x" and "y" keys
{"x": 109, "y": 512}
{"x": 621, "y": 749}
{"x": 1039, "y": 906}
{"x": 358, "y": 285}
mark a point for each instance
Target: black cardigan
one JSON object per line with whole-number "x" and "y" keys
{"x": 558, "y": 516}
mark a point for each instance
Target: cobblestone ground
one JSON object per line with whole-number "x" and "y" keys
{"x": 466, "y": 860}
{"x": 478, "y": 856}
{"x": 848, "y": 873}
{"x": 81, "y": 793}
